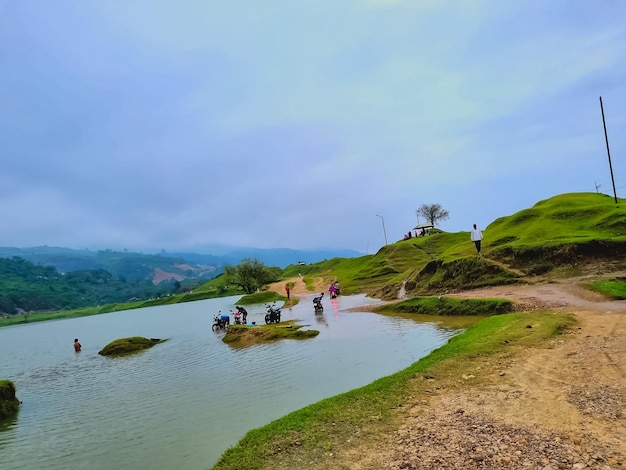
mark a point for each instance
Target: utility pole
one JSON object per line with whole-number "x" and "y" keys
{"x": 606, "y": 137}
{"x": 384, "y": 231}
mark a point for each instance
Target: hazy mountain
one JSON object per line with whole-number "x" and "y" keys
{"x": 164, "y": 265}
{"x": 281, "y": 257}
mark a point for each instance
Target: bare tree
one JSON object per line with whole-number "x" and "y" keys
{"x": 433, "y": 213}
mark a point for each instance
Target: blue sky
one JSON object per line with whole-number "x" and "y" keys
{"x": 146, "y": 124}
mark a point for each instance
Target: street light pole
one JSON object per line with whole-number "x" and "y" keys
{"x": 384, "y": 231}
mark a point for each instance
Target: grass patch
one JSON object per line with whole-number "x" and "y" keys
{"x": 123, "y": 346}
{"x": 449, "y": 306}
{"x": 309, "y": 282}
{"x": 242, "y": 335}
{"x": 612, "y": 288}
{"x": 260, "y": 298}
{"x": 308, "y": 433}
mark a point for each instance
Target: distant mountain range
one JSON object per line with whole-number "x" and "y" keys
{"x": 164, "y": 265}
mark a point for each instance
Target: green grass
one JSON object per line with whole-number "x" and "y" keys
{"x": 449, "y": 306}
{"x": 242, "y": 335}
{"x": 612, "y": 288}
{"x": 566, "y": 218}
{"x": 124, "y": 346}
{"x": 309, "y": 282}
{"x": 368, "y": 410}
{"x": 260, "y": 298}
{"x": 555, "y": 235}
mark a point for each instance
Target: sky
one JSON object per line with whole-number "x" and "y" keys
{"x": 178, "y": 125}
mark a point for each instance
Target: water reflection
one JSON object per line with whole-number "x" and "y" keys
{"x": 183, "y": 402}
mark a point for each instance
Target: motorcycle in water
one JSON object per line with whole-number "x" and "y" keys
{"x": 317, "y": 303}
{"x": 219, "y": 323}
{"x": 273, "y": 314}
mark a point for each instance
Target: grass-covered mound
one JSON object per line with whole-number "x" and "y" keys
{"x": 242, "y": 335}
{"x": 9, "y": 403}
{"x": 449, "y": 306}
{"x": 565, "y": 231}
{"x": 369, "y": 411}
{"x": 123, "y": 346}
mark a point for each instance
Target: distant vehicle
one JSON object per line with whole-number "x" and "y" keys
{"x": 301, "y": 263}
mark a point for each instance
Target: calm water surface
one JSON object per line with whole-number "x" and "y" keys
{"x": 182, "y": 403}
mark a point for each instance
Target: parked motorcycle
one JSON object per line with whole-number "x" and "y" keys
{"x": 273, "y": 314}
{"x": 219, "y": 323}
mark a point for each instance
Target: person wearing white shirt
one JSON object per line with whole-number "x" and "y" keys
{"x": 477, "y": 236}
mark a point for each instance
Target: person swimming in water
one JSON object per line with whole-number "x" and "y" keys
{"x": 77, "y": 345}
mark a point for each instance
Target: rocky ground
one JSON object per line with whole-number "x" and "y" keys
{"x": 558, "y": 407}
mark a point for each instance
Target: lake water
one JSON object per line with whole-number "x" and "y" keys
{"x": 182, "y": 403}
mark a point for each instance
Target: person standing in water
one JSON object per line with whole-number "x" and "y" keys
{"x": 477, "y": 237}
{"x": 77, "y": 346}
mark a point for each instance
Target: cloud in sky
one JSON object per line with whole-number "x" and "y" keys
{"x": 175, "y": 125}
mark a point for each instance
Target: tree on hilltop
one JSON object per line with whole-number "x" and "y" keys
{"x": 433, "y": 213}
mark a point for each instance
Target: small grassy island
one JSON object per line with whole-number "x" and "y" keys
{"x": 449, "y": 306}
{"x": 8, "y": 401}
{"x": 123, "y": 346}
{"x": 242, "y": 335}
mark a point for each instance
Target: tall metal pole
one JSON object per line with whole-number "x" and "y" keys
{"x": 384, "y": 231}
{"x": 606, "y": 137}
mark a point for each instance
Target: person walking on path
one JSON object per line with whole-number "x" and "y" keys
{"x": 77, "y": 346}
{"x": 288, "y": 290}
{"x": 477, "y": 236}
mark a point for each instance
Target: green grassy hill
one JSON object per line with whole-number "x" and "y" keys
{"x": 562, "y": 233}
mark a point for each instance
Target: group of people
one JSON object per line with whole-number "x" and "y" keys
{"x": 409, "y": 235}
{"x": 334, "y": 290}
